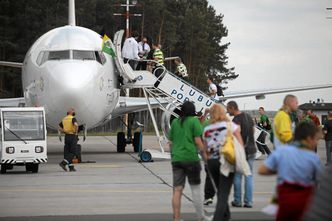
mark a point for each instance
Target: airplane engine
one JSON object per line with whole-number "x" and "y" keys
{"x": 168, "y": 116}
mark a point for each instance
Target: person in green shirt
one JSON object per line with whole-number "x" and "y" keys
{"x": 185, "y": 137}
{"x": 265, "y": 125}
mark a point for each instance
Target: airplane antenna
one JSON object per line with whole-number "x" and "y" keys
{"x": 71, "y": 13}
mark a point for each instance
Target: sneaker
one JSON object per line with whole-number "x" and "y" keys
{"x": 208, "y": 218}
{"x": 63, "y": 166}
{"x": 234, "y": 204}
{"x": 208, "y": 201}
{"x": 270, "y": 209}
{"x": 247, "y": 205}
{"x": 258, "y": 155}
{"x": 72, "y": 169}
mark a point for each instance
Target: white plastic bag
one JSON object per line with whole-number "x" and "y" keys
{"x": 241, "y": 163}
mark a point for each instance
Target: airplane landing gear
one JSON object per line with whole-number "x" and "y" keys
{"x": 136, "y": 141}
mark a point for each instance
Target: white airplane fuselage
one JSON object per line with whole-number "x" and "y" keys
{"x": 65, "y": 68}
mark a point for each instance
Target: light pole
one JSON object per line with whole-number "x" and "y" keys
{"x": 127, "y": 15}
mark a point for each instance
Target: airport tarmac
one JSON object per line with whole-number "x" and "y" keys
{"x": 115, "y": 187}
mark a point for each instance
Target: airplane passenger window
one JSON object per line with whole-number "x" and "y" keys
{"x": 58, "y": 55}
{"x": 84, "y": 55}
{"x": 100, "y": 57}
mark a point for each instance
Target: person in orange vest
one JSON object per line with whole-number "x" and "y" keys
{"x": 69, "y": 126}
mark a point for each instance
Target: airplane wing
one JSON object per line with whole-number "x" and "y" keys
{"x": 260, "y": 94}
{"x": 135, "y": 104}
{"x": 12, "y": 102}
{"x": 11, "y": 64}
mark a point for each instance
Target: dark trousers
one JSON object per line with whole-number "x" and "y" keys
{"x": 141, "y": 65}
{"x": 213, "y": 166}
{"x": 262, "y": 147}
{"x": 70, "y": 147}
{"x": 222, "y": 212}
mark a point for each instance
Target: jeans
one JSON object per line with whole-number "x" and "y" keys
{"x": 248, "y": 185}
{"x": 222, "y": 212}
{"x": 214, "y": 168}
{"x": 328, "y": 144}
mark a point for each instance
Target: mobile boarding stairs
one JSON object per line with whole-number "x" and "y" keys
{"x": 167, "y": 91}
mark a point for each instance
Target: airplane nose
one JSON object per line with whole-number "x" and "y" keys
{"x": 72, "y": 84}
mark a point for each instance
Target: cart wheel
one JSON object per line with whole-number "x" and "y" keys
{"x": 35, "y": 168}
{"x": 137, "y": 141}
{"x": 3, "y": 168}
{"x": 146, "y": 156}
{"x": 121, "y": 142}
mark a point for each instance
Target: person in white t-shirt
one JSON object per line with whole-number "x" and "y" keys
{"x": 212, "y": 89}
{"x": 130, "y": 50}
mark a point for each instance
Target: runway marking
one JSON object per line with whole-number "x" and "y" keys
{"x": 83, "y": 191}
{"x": 100, "y": 165}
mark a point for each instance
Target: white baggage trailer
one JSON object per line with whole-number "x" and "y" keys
{"x": 22, "y": 138}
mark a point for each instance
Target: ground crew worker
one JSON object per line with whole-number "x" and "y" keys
{"x": 69, "y": 126}
{"x": 181, "y": 69}
{"x": 158, "y": 56}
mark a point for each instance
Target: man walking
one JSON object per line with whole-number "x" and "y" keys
{"x": 265, "y": 125}
{"x": 69, "y": 126}
{"x": 247, "y": 125}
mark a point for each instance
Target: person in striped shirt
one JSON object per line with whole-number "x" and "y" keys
{"x": 158, "y": 56}
{"x": 181, "y": 69}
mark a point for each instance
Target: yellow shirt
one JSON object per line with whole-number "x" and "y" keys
{"x": 283, "y": 127}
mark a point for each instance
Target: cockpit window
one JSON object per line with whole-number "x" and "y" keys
{"x": 83, "y": 55}
{"x": 58, "y": 55}
{"x": 71, "y": 54}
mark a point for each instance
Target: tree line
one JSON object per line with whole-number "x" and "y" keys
{"x": 191, "y": 29}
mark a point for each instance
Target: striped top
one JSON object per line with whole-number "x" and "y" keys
{"x": 182, "y": 70}
{"x": 158, "y": 56}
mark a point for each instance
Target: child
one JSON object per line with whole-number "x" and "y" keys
{"x": 297, "y": 168}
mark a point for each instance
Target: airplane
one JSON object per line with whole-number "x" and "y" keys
{"x": 66, "y": 68}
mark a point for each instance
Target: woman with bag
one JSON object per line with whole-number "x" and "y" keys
{"x": 218, "y": 137}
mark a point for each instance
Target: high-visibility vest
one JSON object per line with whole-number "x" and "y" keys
{"x": 158, "y": 56}
{"x": 68, "y": 126}
{"x": 182, "y": 70}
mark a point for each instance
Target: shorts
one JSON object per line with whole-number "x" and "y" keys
{"x": 181, "y": 170}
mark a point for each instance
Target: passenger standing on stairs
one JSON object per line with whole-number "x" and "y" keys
{"x": 158, "y": 57}
{"x": 212, "y": 89}
{"x": 185, "y": 143}
{"x": 69, "y": 126}
{"x": 143, "y": 51}
{"x": 181, "y": 69}
{"x": 130, "y": 50}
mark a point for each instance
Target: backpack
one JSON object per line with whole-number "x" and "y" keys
{"x": 219, "y": 90}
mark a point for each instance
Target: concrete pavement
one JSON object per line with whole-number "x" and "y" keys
{"x": 116, "y": 187}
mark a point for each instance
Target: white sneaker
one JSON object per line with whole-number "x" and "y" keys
{"x": 206, "y": 218}
{"x": 270, "y": 209}
{"x": 258, "y": 155}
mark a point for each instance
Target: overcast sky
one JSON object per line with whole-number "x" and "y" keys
{"x": 277, "y": 44}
